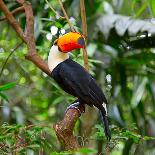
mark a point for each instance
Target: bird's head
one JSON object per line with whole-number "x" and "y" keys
{"x": 70, "y": 41}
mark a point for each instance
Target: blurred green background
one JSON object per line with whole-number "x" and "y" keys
{"x": 31, "y": 102}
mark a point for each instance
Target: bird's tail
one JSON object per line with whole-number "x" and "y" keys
{"x": 106, "y": 123}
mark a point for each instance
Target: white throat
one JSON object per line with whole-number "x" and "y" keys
{"x": 55, "y": 57}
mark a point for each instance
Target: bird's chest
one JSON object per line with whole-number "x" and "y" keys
{"x": 60, "y": 75}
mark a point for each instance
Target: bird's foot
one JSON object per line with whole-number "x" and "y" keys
{"x": 78, "y": 106}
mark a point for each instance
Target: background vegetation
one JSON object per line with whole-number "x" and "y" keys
{"x": 31, "y": 102}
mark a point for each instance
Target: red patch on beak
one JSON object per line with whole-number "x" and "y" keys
{"x": 71, "y": 41}
{"x": 69, "y": 47}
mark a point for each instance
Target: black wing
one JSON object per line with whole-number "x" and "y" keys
{"x": 75, "y": 80}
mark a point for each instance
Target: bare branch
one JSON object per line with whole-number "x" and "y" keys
{"x": 56, "y": 13}
{"x": 12, "y": 20}
{"x": 32, "y": 53}
{"x": 66, "y": 16}
{"x": 39, "y": 62}
{"x": 84, "y": 28}
{"x": 14, "y": 12}
{"x": 17, "y": 46}
{"x": 85, "y": 58}
{"x": 28, "y": 38}
{"x": 83, "y": 18}
{"x": 64, "y": 129}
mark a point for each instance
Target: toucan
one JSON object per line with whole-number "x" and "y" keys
{"x": 73, "y": 78}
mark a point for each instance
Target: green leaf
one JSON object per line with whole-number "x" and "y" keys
{"x": 58, "y": 100}
{"x": 138, "y": 94}
{"x": 96, "y": 61}
{"x": 4, "y": 96}
{"x": 136, "y": 137}
{"x": 61, "y": 153}
{"x": 99, "y": 134}
{"x": 7, "y": 86}
{"x": 87, "y": 150}
{"x": 152, "y": 3}
{"x": 58, "y": 24}
{"x": 34, "y": 146}
{"x": 148, "y": 138}
{"x": 142, "y": 9}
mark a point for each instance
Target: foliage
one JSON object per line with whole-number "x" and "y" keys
{"x": 22, "y": 139}
{"x": 6, "y": 87}
{"x": 31, "y": 102}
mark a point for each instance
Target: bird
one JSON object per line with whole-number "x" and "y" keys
{"x": 73, "y": 78}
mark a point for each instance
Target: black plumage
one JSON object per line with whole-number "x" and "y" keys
{"x": 75, "y": 80}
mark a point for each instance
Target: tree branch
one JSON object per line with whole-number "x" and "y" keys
{"x": 56, "y": 13}
{"x": 83, "y": 18}
{"x": 14, "y": 12}
{"x": 88, "y": 122}
{"x": 17, "y": 46}
{"x": 12, "y": 20}
{"x": 30, "y": 41}
{"x": 64, "y": 130}
{"x": 66, "y": 16}
{"x": 84, "y": 29}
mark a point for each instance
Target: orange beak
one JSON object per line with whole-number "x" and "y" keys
{"x": 70, "y": 41}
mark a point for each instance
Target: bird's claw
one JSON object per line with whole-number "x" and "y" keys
{"x": 76, "y": 105}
